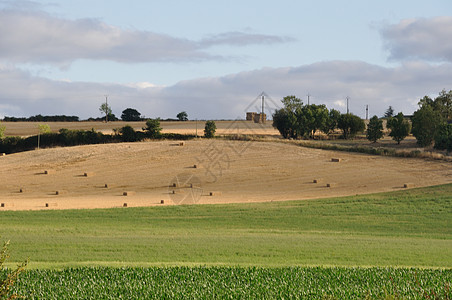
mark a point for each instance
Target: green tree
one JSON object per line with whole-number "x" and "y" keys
{"x": 44, "y": 128}
{"x": 400, "y": 128}
{"x": 374, "y": 129}
{"x": 350, "y": 125}
{"x": 128, "y": 134}
{"x": 182, "y": 116}
{"x": 130, "y": 115}
{"x": 331, "y": 123}
{"x": 389, "y": 112}
{"x": 153, "y": 129}
{"x": 288, "y": 119}
{"x": 106, "y": 110}
{"x": 443, "y": 105}
{"x": 2, "y": 131}
{"x": 443, "y": 138}
{"x": 425, "y": 123}
{"x": 210, "y": 129}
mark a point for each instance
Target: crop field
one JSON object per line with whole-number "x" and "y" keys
{"x": 236, "y": 283}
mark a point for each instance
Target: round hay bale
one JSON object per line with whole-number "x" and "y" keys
{"x": 124, "y": 205}
{"x": 162, "y": 201}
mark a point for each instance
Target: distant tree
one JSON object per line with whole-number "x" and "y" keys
{"x": 281, "y": 121}
{"x": 128, "y": 134}
{"x": 153, "y": 129}
{"x": 44, "y": 128}
{"x": 105, "y": 109}
{"x": 2, "y": 131}
{"x": 400, "y": 128}
{"x": 287, "y": 120}
{"x": 331, "y": 124}
{"x": 130, "y": 115}
{"x": 425, "y": 122}
{"x": 350, "y": 125}
{"x": 443, "y": 139}
{"x": 374, "y": 129}
{"x": 443, "y": 105}
{"x": 210, "y": 129}
{"x": 389, "y": 112}
{"x": 182, "y": 116}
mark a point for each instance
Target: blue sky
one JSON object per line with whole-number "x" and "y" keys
{"x": 212, "y": 59}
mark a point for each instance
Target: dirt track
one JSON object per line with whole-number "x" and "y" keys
{"x": 234, "y": 171}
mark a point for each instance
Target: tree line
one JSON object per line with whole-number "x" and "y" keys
{"x": 430, "y": 124}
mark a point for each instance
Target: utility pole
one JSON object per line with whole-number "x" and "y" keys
{"x": 367, "y": 112}
{"x": 106, "y": 108}
{"x": 309, "y": 95}
{"x": 348, "y": 98}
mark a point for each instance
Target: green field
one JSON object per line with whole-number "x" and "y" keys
{"x": 411, "y": 228}
{"x": 236, "y": 283}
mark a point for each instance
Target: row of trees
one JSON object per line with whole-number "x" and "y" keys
{"x": 296, "y": 120}
{"x": 131, "y": 114}
{"x": 431, "y": 123}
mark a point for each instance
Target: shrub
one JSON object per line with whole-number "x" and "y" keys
{"x": 8, "y": 281}
{"x": 425, "y": 123}
{"x": 443, "y": 139}
{"x": 210, "y": 129}
{"x": 128, "y": 134}
{"x": 153, "y": 129}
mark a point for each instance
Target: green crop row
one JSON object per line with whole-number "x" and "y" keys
{"x": 235, "y": 283}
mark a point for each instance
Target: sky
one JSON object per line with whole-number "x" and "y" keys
{"x": 213, "y": 59}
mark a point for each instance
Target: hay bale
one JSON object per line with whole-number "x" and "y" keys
{"x": 336, "y": 160}
{"x": 162, "y": 201}
{"x": 51, "y": 204}
{"x": 181, "y": 143}
{"x": 2, "y": 154}
{"x": 88, "y": 174}
{"x": 60, "y": 192}
{"x": 124, "y": 205}
{"x": 128, "y": 193}
{"x": 215, "y": 194}
{"x": 318, "y": 180}
{"x": 49, "y": 172}
{"x": 106, "y": 186}
{"x": 2, "y": 205}
{"x": 330, "y": 185}
{"x": 408, "y": 185}
{"x": 21, "y": 190}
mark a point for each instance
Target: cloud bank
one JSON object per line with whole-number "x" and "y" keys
{"x": 228, "y": 97}
{"x": 39, "y": 38}
{"x": 420, "y": 39}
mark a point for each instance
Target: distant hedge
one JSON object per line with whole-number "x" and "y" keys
{"x": 66, "y": 137}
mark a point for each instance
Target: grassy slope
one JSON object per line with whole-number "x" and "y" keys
{"x": 407, "y": 228}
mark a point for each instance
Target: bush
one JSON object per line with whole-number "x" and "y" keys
{"x": 128, "y": 134}
{"x": 153, "y": 129}
{"x": 8, "y": 281}
{"x": 210, "y": 129}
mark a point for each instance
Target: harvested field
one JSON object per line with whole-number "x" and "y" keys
{"x": 238, "y": 171}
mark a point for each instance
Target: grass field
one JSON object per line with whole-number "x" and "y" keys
{"x": 406, "y": 228}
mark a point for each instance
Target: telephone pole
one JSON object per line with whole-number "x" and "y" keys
{"x": 367, "y": 112}
{"x": 309, "y": 95}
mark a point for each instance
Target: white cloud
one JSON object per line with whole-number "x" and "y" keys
{"x": 40, "y": 38}
{"x": 425, "y": 39}
{"x": 229, "y": 96}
